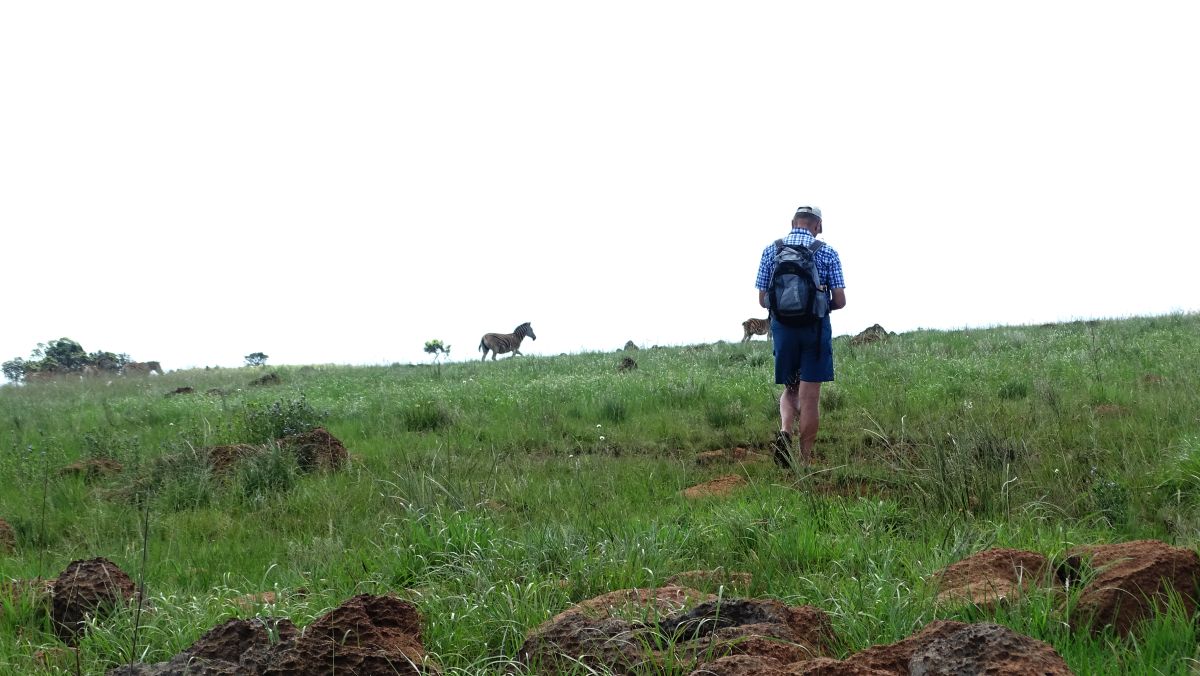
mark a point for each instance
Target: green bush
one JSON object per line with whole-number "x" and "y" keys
{"x": 262, "y": 423}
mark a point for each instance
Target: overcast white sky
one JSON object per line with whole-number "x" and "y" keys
{"x": 340, "y": 182}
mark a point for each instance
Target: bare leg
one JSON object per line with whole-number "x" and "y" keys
{"x": 810, "y": 417}
{"x": 789, "y": 407}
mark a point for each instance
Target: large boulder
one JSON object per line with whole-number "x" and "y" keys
{"x": 1132, "y": 581}
{"x": 86, "y": 589}
{"x": 991, "y": 577}
{"x": 990, "y": 649}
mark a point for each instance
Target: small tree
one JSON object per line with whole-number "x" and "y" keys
{"x": 438, "y": 350}
{"x": 14, "y": 369}
{"x": 256, "y": 359}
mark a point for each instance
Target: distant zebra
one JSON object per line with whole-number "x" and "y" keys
{"x": 756, "y": 327}
{"x": 141, "y": 368}
{"x": 499, "y": 343}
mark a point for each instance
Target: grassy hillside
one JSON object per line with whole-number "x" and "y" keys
{"x": 494, "y": 495}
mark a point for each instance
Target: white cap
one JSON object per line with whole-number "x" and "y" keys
{"x": 812, "y": 211}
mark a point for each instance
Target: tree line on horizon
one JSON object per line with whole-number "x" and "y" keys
{"x": 62, "y": 357}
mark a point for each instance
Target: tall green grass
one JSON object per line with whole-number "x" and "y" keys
{"x": 494, "y": 495}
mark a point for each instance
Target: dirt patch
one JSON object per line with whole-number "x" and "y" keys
{"x": 739, "y": 454}
{"x": 1132, "y": 581}
{"x": 993, "y": 577}
{"x": 86, "y": 589}
{"x": 180, "y": 390}
{"x": 92, "y": 469}
{"x": 265, "y": 380}
{"x": 717, "y": 487}
{"x": 8, "y": 538}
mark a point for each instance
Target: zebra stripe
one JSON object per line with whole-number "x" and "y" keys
{"x": 500, "y": 343}
{"x": 756, "y": 327}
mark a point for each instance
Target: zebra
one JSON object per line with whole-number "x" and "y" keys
{"x": 756, "y": 327}
{"x": 141, "y": 368}
{"x": 499, "y": 343}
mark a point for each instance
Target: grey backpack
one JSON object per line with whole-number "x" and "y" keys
{"x": 795, "y": 295}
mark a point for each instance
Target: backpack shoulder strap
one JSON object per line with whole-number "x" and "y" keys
{"x": 778, "y": 245}
{"x": 816, "y": 245}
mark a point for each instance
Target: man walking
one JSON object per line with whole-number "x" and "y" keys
{"x": 804, "y": 351}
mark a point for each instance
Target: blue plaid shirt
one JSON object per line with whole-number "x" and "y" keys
{"x": 829, "y": 266}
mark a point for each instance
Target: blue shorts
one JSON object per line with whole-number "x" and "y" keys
{"x": 803, "y": 353}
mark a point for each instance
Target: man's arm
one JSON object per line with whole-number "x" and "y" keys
{"x": 839, "y": 299}
{"x": 762, "y": 298}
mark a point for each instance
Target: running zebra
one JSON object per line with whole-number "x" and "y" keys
{"x": 499, "y": 343}
{"x": 756, "y": 327}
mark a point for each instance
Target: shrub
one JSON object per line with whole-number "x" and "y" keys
{"x": 260, "y": 424}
